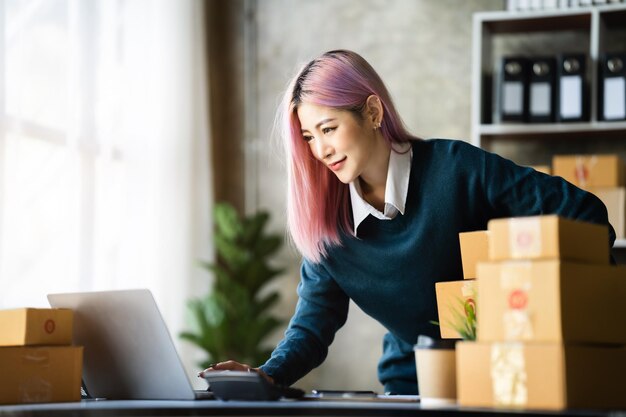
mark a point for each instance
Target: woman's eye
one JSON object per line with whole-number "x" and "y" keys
{"x": 308, "y": 138}
{"x": 327, "y": 130}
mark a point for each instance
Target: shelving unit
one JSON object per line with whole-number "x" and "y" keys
{"x": 592, "y": 31}
{"x": 599, "y": 27}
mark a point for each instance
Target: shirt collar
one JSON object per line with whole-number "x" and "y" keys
{"x": 396, "y": 188}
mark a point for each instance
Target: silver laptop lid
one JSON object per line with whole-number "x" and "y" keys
{"x": 128, "y": 351}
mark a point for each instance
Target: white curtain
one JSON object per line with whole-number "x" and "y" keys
{"x": 104, "y": 179}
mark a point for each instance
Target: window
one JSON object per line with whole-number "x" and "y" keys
{"x": 104, "y": 182}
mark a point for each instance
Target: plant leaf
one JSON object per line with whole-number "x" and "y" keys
{"x": 253, "y": 227}
{"x": 268, "y": 245}
{"x": 227, "y": 221}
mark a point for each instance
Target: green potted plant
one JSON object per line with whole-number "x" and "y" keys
{"x": 232, "y": 321}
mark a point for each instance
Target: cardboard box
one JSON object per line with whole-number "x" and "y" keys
{"x": 551, "y": 301}
{"x": 586, "y": 171}
{"x": 36, "y": 326}
{"x": 474, "y": 249}
{"x": 548, "y": 237}
{"x": 40, "y": 374}
{"x": 454, "y": 299}
{"x": 547, "y": 376}
{"x": 615, "y": 201}
{"x": 546, "y": 169}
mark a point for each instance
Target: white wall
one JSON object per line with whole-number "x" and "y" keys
{"x": 421, "y": 48}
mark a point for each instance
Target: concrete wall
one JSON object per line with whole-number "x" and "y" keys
{"x": 421, "y": 48}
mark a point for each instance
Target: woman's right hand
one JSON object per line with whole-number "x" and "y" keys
{"x": 234, "y": 366}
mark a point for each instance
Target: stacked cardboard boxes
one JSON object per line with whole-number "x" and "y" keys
{"x": 551, "y": 320}
{"x": 604, "y": 176}
{"x": 37, "y": 360}
{"x": 457, "y": 299}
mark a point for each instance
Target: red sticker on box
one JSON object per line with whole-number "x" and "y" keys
{"x": 524, "y": 239}
{"x": 518, "y": 299}
{"x": 49, "y": 326}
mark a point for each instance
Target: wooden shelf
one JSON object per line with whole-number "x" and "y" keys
{"x": 586, "y": 127}
{"x": 599, "y": 22}
{"x": 543, "y": 21}
{"x": 500, "y": 22}
{"x": 616, "y": 18}
{"x": 582, "y": 130}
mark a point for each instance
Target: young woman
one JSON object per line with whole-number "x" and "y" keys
{"x": 376, "y": 214}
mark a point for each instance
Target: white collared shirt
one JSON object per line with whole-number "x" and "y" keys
{"x": 396, "y": 189}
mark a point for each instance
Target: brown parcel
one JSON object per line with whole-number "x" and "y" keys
{"x": 40, "y": 374}
{"x": 548, "y": 237}
{"x": 540, "y": 376}
{"x": 453, "y": 298}
{"x": 615, "y": 201}
{"x": 474, "y": 249}
{"x": 551, "y": 301}
{"x": 586, "y": 171}
{"x": 36, "y": 326}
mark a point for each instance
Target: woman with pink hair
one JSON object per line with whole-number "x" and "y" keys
{"x": 376, "y": 214}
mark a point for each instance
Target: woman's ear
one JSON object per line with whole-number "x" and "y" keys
{"x": 374, "y": 110}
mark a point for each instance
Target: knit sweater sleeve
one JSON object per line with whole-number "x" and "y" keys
{"x": 512, "y": 190}
{"x": 321, "y": 310}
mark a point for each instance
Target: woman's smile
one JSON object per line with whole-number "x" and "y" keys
{"x": 336, "y": 166}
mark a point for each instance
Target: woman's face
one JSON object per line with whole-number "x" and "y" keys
{"x": 338, "y": 139}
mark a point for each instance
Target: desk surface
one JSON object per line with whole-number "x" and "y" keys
{"x": 272, "y": 408}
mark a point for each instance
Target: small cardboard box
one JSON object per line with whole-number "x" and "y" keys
{"x": 548, "y": 237}
{"x": 586, "y": 171}
{"x": 454, "y": 298}
{"x": 551, "y": 301}
{"x": 615, "y": 201}
{"x": 474, "y": 249}
{"x": 36, "y": 326}
{"x": 40, "y": 374}
{"x": 548, "y": 376}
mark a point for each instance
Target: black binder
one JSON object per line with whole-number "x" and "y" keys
{"x": 513, "y": 90}
{"x": 542, "y": 91}
{"x": 612, "y": 87}
{"x": 572, "y": 88}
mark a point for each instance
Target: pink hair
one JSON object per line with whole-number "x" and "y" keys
{"x": 318, "y": 204}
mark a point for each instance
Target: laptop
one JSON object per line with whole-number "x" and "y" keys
{"x": 128, "y": 350}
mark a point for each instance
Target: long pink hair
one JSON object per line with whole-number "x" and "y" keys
{"x": 318, "y": 204}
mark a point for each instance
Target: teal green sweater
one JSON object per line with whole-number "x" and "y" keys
{"x": 390, "y": 271}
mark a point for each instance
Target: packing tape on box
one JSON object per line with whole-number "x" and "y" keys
{"x": 35, "y": 390}
{"x": 508, "y": 375}
{"x": 516, "y": 284}
{"x": 524, "y": 237}
{"x": 36, "y": 357}
{"x": 582, "y": 166}
{"x": 468, "y": 290}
